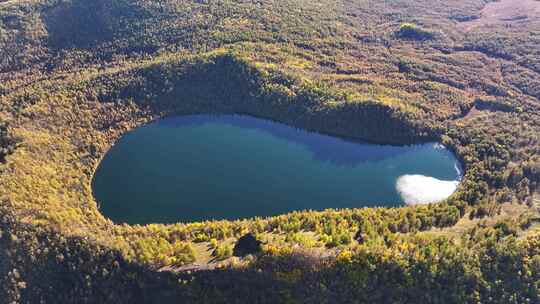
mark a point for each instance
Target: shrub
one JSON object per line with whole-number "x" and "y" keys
{"x": 222, "y": 252}
{"x": 412, "y": 31}
{"x": 247, "y": 244}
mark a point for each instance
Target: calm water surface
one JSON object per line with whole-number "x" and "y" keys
{"x": 199, "y": 167}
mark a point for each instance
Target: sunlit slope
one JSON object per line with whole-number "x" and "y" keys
{"x": 356, "y": 46}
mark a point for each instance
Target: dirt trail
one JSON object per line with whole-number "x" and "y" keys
{"x": 508, "y": 12}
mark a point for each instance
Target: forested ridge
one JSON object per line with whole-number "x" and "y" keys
{"x": 76, "y": 75}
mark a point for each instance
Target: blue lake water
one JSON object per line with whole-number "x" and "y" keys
{"x": 202, "y": 167}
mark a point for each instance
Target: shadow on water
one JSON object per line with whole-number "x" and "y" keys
{"x": 335, "y": 150}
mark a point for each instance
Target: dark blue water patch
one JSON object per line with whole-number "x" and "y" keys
{"x": 200, "y": 167}
{"x": 337, "y": 150}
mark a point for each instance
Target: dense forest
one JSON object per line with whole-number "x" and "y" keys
{"x": 76, "y": 75}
